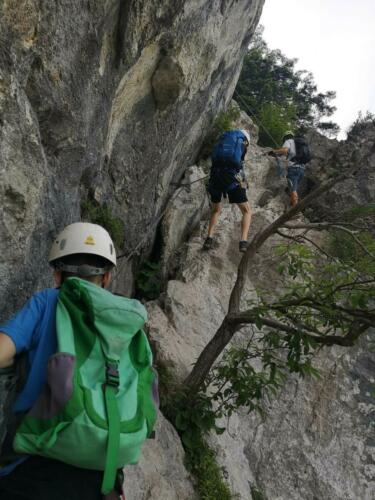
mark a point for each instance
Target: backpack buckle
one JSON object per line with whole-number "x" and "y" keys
{"x": 112, "y": 375}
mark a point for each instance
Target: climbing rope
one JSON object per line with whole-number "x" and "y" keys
{"x": 126, "y": 257}
{"x": 256, "y": 118}
{"x": 156, "y": 221}
{"x": 279, "y": 167}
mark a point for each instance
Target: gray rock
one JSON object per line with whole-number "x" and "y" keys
{"x": 160, "y": 472}
{"x": 111, "y": 101}
{"x": 332, "y": 157}
{"x": 167, "y": 82}
{"x": 183, "y": 214}
{"x": 104, "y": 100}
{"x": 316, "y": 441}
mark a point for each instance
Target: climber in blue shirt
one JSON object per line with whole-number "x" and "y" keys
{"x": 227, "y": 178}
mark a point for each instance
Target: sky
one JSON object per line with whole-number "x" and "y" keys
{"x": 335, "y": 40}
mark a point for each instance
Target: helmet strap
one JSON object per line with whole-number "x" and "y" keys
{"x": 83, "y": 270}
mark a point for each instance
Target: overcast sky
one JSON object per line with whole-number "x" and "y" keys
{"x": 335, "y": 40}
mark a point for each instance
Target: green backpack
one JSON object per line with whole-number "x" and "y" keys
{"x": 100, "y": 399}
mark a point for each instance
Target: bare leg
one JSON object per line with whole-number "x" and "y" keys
{"x": 246, "y": 219}
{"x": 293, "y": 198}
{"x": 216, "y": 209}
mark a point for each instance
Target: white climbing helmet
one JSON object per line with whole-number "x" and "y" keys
{"x": 246, "y": 134}
{"x": 83, "y": 237}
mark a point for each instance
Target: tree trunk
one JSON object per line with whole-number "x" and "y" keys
{"x": 209, "y": 355}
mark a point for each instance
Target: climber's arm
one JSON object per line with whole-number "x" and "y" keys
{"x": 281, "y": 151}
{"x": 7, "y": 350}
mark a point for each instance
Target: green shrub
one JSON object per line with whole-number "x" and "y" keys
{"x": 360, "y": 211}
{"x": 166, "y": 380}
{"x": 274, "y": 120}
{"x": 256, "y": 494}
{"x": 193, "y": 418}
{"x": 148, "y": 281}
{"x": 91, "y": 211}
{"x": 202, "y": 463}
{"x": 345, "y": 247}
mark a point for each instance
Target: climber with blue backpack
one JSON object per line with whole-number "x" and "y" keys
{"x": 297, "y": 153}
{"x": 89, "y": 398}
{"x": 227, "y": 179}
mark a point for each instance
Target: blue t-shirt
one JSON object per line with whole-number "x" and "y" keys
{"x": 33, "y": 329}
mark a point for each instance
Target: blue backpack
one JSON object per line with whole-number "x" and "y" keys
{"x": 228, "y": 151}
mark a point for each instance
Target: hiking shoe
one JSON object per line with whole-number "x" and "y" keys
{"x": 243, "y": 246}
{"x": 208, "y": 243}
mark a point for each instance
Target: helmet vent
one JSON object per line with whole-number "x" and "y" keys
{"x": 62, "y": 244}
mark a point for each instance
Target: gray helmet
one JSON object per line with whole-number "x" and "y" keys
{"x": 288, "y": 135}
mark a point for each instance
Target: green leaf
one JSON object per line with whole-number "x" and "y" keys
{"x": 259, "y": 323}
{"x": 181, "y": 422}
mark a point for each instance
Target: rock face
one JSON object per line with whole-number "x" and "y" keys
{"x": 160, "y": 472}
{"x": 330, "y": 156}
{"x": 106, "y": 101}
{"x": 183, "y": 214}
{"x": 317, "y": 439}
{"x": 109, "y": 102}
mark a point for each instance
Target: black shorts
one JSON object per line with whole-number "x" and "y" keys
{"x": 41, "y": 478}
{"x": 236, "y": 195}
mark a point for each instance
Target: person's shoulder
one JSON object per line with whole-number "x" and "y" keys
{"x": 46, "y": 295}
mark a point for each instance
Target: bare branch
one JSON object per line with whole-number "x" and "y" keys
{"x": 348, "y": 340}
{"x": 300, "y": 237}
{"x": 319, "y": 226}
{"x": 363, "y": 315}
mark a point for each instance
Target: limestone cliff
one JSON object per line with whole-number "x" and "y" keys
{"x": 107, "y": 101}
{"x": 317, "y": 439}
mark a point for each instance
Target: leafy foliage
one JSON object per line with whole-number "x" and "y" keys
{"x": 202, "y": 463}
{"x": 361, "y": 211}
{"x": 275, "y": 120}
{"x": 236, "y": 383}
{"x": 223, "y": 122}
{"x": 326, "y": 300}
{"x": 325, "y": 297}
{"x": 193, "y": 419}
{"x": 344, "y": 247}
{"x": 148, "y": 280}
{"x": 256, "y": 494}
{"x": 280, "y": 96}
{"x": 101, "y": 214}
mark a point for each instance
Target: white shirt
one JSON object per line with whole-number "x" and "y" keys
{"x": 289, "y": 143}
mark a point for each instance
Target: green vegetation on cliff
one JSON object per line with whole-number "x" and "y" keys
{"x": 280, "y": 97}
